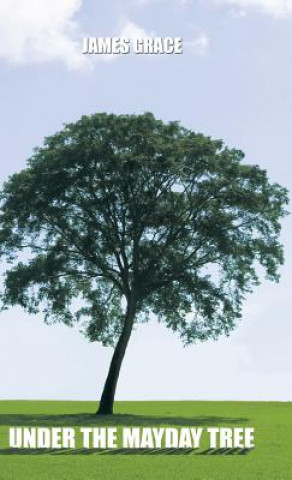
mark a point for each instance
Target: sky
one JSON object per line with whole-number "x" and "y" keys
{"x": 233, "y": 82}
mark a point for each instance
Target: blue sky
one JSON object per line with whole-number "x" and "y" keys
{"x": 234, "y": 81}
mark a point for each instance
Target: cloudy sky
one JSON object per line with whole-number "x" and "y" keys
{"x": 233, "y": 81}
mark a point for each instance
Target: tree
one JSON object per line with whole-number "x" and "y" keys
{"x": 119, "y": 217}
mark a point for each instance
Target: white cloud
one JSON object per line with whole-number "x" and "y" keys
{"x": 34, "y": 31}
{"x": 276, "y": 8}
{"x": 199, "y": 44}
{"x": 132, "y": 31}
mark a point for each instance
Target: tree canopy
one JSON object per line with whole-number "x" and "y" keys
{"x": 118, "y": 214}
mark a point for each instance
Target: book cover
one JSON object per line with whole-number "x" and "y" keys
{"x": 144, "y": 239}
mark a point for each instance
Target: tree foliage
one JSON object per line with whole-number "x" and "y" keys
{"x": 114, "y": 209}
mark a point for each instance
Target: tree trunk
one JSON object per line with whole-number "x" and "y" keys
{"x": 108, "y": 394}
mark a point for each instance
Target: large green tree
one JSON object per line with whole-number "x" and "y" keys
{"x": 116, "y": 218}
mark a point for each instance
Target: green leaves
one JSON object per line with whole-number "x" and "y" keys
{"x": 120, "y": 207}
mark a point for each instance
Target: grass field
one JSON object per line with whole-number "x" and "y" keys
{"x": 270, "y": 460}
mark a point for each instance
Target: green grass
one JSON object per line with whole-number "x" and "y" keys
{"x": 270, "y": 460}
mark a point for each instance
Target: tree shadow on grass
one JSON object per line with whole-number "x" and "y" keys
{"x": 123, "y": 451}
{"x": 87, "y": 419}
